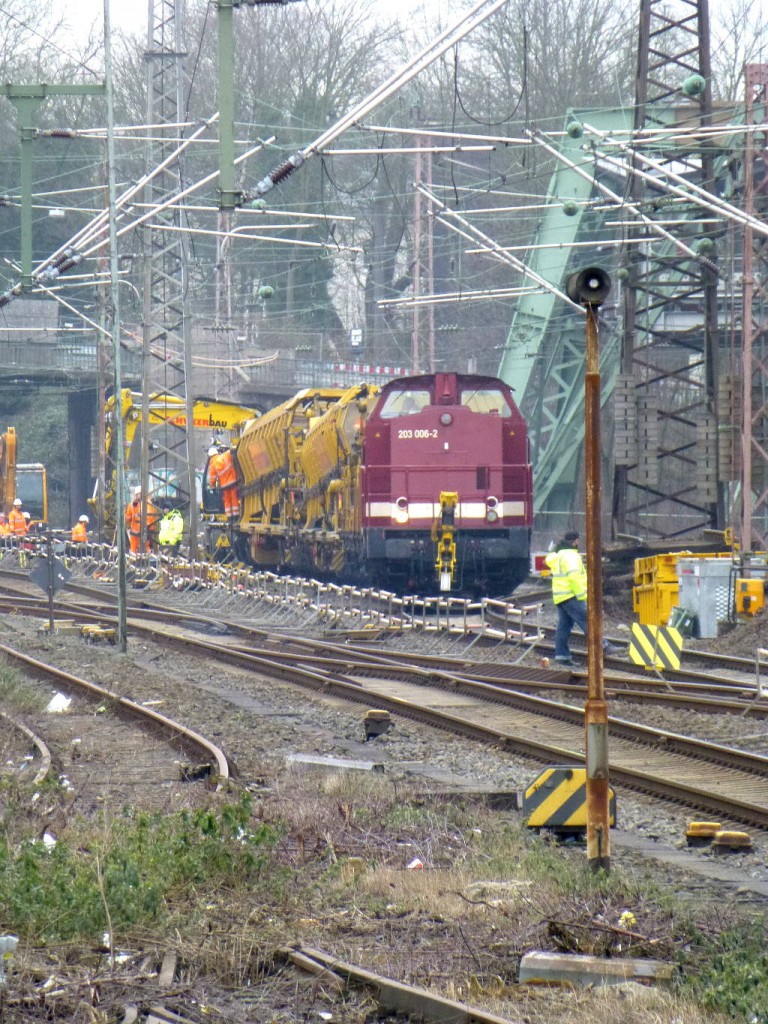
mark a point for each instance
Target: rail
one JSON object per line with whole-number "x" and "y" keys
{"x": 337, "y": 607}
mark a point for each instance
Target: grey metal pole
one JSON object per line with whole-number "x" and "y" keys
{"x": 122, "y": 631}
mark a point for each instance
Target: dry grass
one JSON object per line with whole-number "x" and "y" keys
{"x": 626, "y": 1004}
{"x": 486, "y": 894}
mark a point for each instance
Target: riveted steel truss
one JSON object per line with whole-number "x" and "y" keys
{"x": 661, "y": 366}
{"x": 167, "y": 469}
{"x": 666, "y": 482}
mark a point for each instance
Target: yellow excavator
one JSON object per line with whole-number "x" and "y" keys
{"x": 25, "y": 480}
{"x": 213, "y": 421}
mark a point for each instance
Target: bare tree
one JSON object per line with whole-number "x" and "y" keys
{"x": 739, "y": 30}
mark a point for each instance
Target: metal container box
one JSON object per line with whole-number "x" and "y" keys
{"x": 706, "y": 591}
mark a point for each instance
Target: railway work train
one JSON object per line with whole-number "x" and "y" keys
{"x": 423, "y": 485}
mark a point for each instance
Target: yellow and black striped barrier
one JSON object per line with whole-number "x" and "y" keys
{"x": 656, "y": 646}
{"x": 557, "y": 800}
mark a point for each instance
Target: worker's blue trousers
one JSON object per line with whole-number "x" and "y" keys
{"x": 569, "y": 613}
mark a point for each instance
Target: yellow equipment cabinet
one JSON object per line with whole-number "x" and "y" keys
{"x": 656, "y": 591}
{"x": 750, "y": 596}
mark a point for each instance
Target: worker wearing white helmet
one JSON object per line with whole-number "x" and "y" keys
{"x": 16, "y": 522}
{"x": 80, "y": 531}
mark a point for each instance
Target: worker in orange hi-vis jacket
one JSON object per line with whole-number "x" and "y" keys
{"x": 80, "y": 530}
{"x": 133, "y": 521}
{"x": 222, "y": 472}
{"x": 17, "y": 523}
{"x": 4, "y": 527}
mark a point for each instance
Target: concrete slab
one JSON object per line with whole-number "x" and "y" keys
{"x": 691, "y": 861}
{"x": 542, "y": 968}
{"x": 339, "y": 763}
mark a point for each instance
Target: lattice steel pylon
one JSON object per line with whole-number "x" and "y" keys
{"x": 167, "y": 451}
{"x": 666, "y": 481}
{"x": 754, "y": 364}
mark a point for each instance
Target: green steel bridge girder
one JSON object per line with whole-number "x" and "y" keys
{"x": 540, "y": 358}
{"x": 543, "y": 358}
{"x": 531, "y": 323}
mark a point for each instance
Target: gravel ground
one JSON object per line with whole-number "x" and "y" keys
{"x": 263, "y": 725}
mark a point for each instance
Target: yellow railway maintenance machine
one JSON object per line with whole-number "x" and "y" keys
{"x": 557, "y": 801}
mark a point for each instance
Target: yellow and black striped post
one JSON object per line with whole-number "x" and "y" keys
{"x": 658, "y": 647}
{"x": 557, "y": 801}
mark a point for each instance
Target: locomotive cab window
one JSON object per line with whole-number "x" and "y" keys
{"x": 490, "y": 401}
{"x": 404, "y": 403}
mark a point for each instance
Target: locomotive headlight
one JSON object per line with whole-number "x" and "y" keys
{"x": 491, "y": 515}
{"x": 401, "y": 510}
{"x": 446, "y": 419}
{"x": 491, "y": 504}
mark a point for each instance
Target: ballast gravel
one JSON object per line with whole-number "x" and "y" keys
{"x": 270, "y": 730}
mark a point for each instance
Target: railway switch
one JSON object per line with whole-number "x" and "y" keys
{"x": 557, "y": 801}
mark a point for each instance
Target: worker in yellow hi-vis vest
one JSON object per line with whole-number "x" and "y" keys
{"x": 569, "y": 593}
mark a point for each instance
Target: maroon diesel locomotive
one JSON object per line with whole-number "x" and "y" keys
{"x": 446, "y": 486}
{"x": 423, "y": 487}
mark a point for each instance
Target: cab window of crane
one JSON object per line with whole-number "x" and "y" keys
{"x": 352, "y": 423}
{"x": 404, "y": 403}
{"x": 486, "y": 400}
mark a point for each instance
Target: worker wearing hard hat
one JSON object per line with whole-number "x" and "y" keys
{"x": 4, "y": 527}
{"x": 80, "y": 531}
{"x": 18, "y": 524}
{"x": 133, "y": 521}
{"x": 222, "y": 473}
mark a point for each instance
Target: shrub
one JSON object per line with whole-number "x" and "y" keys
{"x": 135, "y": 867}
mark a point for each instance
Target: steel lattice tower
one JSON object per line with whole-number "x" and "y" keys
{"x": 167, "y": 453}
{"x": 666, "y": 480}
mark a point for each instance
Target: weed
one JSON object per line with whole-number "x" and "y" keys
{"x": 15, "y": 694}
{"x": 728, "y": 972}
{"x": 139, "y": 866}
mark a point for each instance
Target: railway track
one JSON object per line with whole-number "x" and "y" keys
{"x": 712, "y": 777}
{"x": 107, "y": 748}
{"x": 687, "y": 688}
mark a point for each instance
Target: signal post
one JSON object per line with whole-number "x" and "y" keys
{"x": 589, "y": 288}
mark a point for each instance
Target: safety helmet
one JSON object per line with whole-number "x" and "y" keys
{"x": 213, "y": 450}
{"x": 83, "y": 519}
{"x": 26, "y": 515}
{"x": 17, "y": 502}
{"x": 136, "y": 492}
